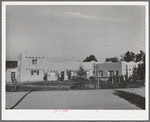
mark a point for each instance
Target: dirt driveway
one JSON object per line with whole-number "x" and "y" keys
{"x": 113, "y": 99}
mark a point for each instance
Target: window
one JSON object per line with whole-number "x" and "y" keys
{"x": 32, "y": 61}
{"x": 37, "y": 72}
{"x": 100, "y": 74}
{"x": 35, "y": 61}
{"x": 116, "y": 73}
{"x": 31, "y": 72}
{"x": 110, "y": 73}
{"x": 34, "y": 72}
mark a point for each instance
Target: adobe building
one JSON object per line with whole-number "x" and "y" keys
{"x": 32, "y": 67}
{"x": 117, "y": 69}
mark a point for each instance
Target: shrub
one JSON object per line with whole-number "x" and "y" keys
{"x": 80, "y": 80}
{"x": 92, "y": 78}
{"x": 68, "y": 73}
{"x": 45, "y": 76}
{"x": 61, "y": 79}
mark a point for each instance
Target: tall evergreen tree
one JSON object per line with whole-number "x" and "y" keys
{"x": 128, "y": 56}
{"x": 140, "y": 56}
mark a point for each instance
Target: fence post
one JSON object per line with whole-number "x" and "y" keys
{"x": 98, "y": 82}
{"x": 105, "y": 82}
{"x": 112, "y": 81}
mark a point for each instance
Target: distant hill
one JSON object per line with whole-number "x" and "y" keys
{"x": 11, "y": 64}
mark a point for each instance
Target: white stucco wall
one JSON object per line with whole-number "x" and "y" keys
{"x": 26, "y": 67}
{"x": 129, "y": 69}
{"x": 89, "y": 67}
{"x": 43, "y": 65}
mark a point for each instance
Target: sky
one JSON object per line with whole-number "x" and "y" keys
{"x": 71, "y": 33}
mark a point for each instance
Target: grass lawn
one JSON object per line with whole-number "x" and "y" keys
{"x": 65, "y": 85}
{"x": 38, "y": 86}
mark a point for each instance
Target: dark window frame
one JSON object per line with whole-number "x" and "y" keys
{"x": 117, "y": 73}
{"x": 111, "y": 72}
{"x": 35, "y": 61}
{"x": 32, "y": 61}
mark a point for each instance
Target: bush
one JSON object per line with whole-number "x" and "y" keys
{"x": 45, "y": 76}
{"x": 115, "y": 78}
{"x": 68, "y": 73}
{"x": 78, "y": 82}
{"x": 92, "y": 78}
{"x": 61, "y": 79}
{"x": 73, "y": 87}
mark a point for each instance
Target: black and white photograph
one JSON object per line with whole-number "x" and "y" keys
{"x": 75, "y": 60}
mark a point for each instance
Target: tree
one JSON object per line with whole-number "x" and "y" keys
{"x": 128, "y": 56}
{"x": 68, "y": 73}
{"x": 81, "y": 72}
{"x": 58, "y": 79}
{"x": 113, "y": 59}
{"x": 58, "y": 76}
{"x": 135, "y": 75}
{"x": 45, "y": 76}
{"x": 140, "y": 56}
{"x": 79, "y": 80}
{"x": 141, "y": 67}
{"x": 90, "y": 58}
{"x": 141, "y": 71}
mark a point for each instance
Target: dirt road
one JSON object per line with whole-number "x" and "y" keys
{"x": 113, "y": 99}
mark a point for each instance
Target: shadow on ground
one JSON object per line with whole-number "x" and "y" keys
{"x": 135, "y": 99}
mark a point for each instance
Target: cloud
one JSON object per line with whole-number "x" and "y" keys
{"x": 68, "y": 14}
{"x": 79, "y": 15}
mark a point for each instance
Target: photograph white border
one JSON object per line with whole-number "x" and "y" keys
{"x": 73, "y": 114}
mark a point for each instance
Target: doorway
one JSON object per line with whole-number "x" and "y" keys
{"x": 12, "y": 75}
{"x": 62, "y": 76}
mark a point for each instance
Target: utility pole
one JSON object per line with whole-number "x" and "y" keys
{"x": 126, "y": 78}
{"x": 97, "y": 76}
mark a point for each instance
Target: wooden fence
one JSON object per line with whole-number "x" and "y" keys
{"x": 117, "y": 82}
